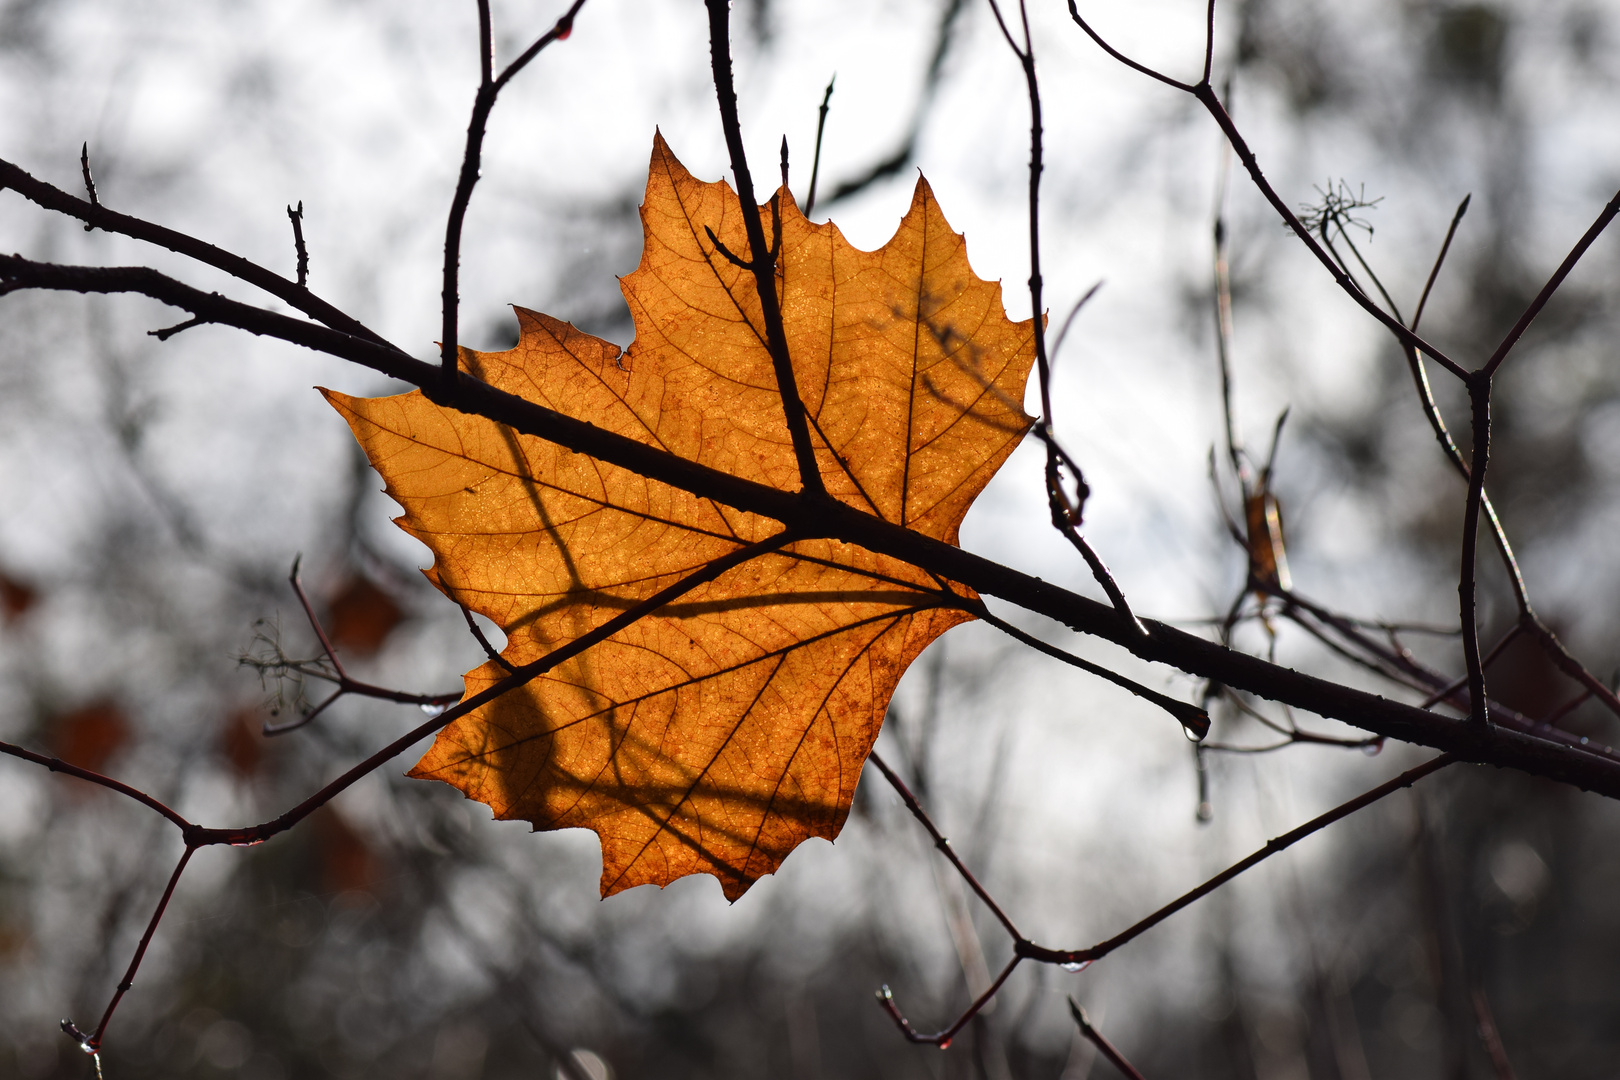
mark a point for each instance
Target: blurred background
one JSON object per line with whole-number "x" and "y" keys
{"x": 155, "y": 495}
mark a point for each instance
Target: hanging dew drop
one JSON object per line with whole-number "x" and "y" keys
{"x": 1075, "y": 965}
{"x": 431, "y": 708}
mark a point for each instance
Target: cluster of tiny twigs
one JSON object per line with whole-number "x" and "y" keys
{"x": 1489, "y": 733}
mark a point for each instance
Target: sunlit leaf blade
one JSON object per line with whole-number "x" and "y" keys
{"x": 720, "y": 732}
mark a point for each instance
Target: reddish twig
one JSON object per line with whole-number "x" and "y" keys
{"x": 92, "y": 1043}
{"x": 1104, "y": 1047}
{"x": 944, "y": 1037}
{"x": 345, "y": 683}
{"x": 1076, "y": 959}
{"x": 1489, "y": 1036}
{"x": 56, "y": 764}
{"x": 943, "y": 844}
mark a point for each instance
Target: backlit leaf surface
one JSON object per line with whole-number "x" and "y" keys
{"x": 715, "y": 735}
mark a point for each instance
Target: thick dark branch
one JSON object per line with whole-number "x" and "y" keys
{"x": 1590, "y": 767}
{"x": 763, "y": 268}
{"x": 97, "y": 216}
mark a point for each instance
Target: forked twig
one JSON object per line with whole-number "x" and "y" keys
{"x": 1077, "y": 959}
{"x": 197, "y": 836}
{"x": 344, "y": 683}
{"x": 489, "y": 88}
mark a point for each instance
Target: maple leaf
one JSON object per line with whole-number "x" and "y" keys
{"x": 722, "y": 730}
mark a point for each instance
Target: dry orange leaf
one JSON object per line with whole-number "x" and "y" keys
{"x": 715, "y": 735}
{"x": 1268, "y": 559}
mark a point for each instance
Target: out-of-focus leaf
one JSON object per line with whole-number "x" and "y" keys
{"x": 361, "y": 616}
{"x": 16, "y": 597}
{"x": 90, "y": 736}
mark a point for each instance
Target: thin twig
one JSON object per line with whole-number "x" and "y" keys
{"x": 1272, "y": 847}
{"x": 89, "y": 181}
{"x": 56, "y": 764}
{"x": 1223, "y": 318}
{"x": 943, "y": 844}
{"x": 1068, "y": 321}
{"x": 943, "y": 1038}
{"x": 1440, "y": 259}
{"x": 1490, "y": 1036}
{"x": 1065, "y": 518}
{"x": 344, "y": 682}
{"x": 1191, "y": 717}
{"x": 1104, "y": 1047}
{"x": 128, "y": 980}
{"x": 815, "y": 164}
{"x": 478, "y": 635}
{"x": 169, "y": 331}
{"x": 1512, "y": 338}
